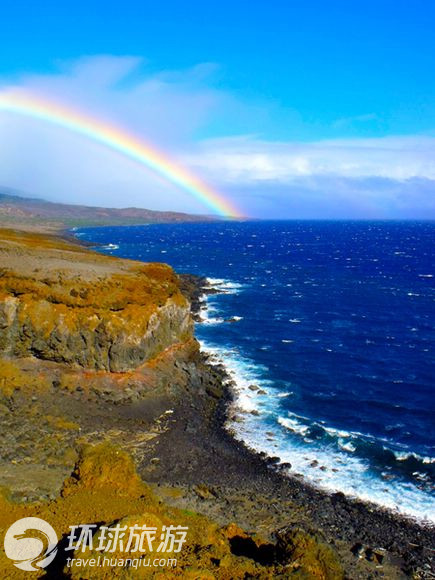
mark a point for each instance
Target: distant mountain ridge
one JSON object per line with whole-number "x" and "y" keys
{"x": 17, "y": 210}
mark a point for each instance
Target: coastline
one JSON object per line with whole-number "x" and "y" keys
{"x": 365, "y": 534}
{"x": 365, "y": 525}
{"x": 171, "y": 417}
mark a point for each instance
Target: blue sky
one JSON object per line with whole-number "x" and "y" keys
{"x": 286, "y": 89}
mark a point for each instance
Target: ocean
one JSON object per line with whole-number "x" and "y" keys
{"x": 327, "y": 329}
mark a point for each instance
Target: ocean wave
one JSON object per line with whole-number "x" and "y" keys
{"x": 225, "y": 286}
{"x": 293, "y": 425}
{"x": 347, "y": 445}
{"x": 353, "y": 440}
{"x": 242, "y": 375}
{"x": 338, "y": 432}
{"x": 208, "y": 313}
{"x": 330, "y": 467}
{"x": 403, "y": 456}
{"x": 338, "y": 470}
{"x": 324, "y": 453}
{"x": 209, "y": 309}
{"x": 331, "y": 458}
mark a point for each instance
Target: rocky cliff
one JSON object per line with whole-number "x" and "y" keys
{"x": 67, "y": 316}
{"x": 102, "y": 315}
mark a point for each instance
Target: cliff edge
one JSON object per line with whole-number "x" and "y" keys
{"x": 100, "y": 376}
{"x": 62, "y": 303}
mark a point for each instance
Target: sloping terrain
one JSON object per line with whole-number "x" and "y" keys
{"x": 25, "y": 212}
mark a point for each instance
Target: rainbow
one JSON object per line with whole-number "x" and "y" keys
{"x": 119, "y": 140}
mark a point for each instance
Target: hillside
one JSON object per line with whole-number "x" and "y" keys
{"x": 98, "y": 365}
{"x": 38, "y": 214}
{"x": 110, "y": 413}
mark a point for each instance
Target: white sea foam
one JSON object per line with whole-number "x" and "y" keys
{"x": 337, "y": 432}
{"x": 293, "y": 425}
{"x": 404, "y": 456}
{"x": 330, "y": 468}
{"x": 225, "y": 286}
{"x": 346, "y": 445}
{"x": 209, "y": 309}
{"x": 337, "y": 470}
{"x": 208, "y": 313}
{"x": 242, "y": 376}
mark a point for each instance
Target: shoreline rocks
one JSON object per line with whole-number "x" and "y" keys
{"x": 170, "y": 414}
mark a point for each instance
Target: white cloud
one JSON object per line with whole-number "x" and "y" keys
{"x": 248, "y": 159}
{"x": 384, "y": 177}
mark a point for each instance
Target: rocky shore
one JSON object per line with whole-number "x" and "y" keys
{"x": 164, "y": 403}
{"x": 251, "y": 486}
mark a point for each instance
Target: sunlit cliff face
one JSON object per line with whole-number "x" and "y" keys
{"x": 114, "y": 317}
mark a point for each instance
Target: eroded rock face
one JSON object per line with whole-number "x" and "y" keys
{"x": 101, "y": 316}
{"x": 98, "y": 339}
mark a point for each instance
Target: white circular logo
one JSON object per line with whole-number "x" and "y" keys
{"x": 31, "y": 543}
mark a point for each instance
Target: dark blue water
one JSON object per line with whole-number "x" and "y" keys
{"x": 337, "y": 328}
